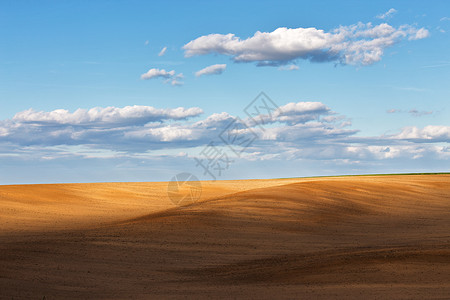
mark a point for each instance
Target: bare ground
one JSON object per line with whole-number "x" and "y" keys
{"x": 371, "y": 237}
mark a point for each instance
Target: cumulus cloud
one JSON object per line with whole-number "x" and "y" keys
{"x": 297, "y": 130}
{"x": 296, "y": 113}
{"x": 162, "y": 52}
{"x": 170, "y": 76}
{"x": 140, "y": 128}
{"x": 212, "y": 70}
{"x": 359, "y": 44}
{"x": 428, "y": 133}
{"x": 106, "y": 116}
{"x": 387, "y": 14}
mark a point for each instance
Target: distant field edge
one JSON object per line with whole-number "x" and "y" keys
{"x": 354, "y": 175}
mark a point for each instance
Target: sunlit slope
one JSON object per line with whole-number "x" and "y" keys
{"x": 66, "y": 206}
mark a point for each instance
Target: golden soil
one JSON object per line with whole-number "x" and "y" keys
{"x": 332, "y": 237}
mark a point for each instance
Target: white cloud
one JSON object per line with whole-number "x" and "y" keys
{"x": 155, "y": 73}
{"x": 176, "y": 82}
{"x": 300, "y": 112}
{"x": 444, "y": 19}
{"x": 212, "y": 70}
{"x": 214, "y": 121}
{"x": 387, "y": 14}
{"x": 167, "y": 133}
{"x": 430, "y": 132}
{"x": 140, "y": 128}
{"x": 109, "y": 115}
{"x": 297, "y": 130}
{"x": 162, "y": 52}
{"x": 360, "y": 44}
{"x": 171, "y": 76}
{"x": 418, "y": 34}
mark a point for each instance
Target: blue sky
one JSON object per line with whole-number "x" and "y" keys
{"x": 385, "y": 83}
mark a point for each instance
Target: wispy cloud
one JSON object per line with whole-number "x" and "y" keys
{"x": 438, "y": 65}
{"x": 417, "y": 113}
{"x": 162, "y": 52}
{"x": 387, "y": 14}
{"x": 176, "y": 81}
{"x": 288, "y": 68}
{"x": 441, "y": 30}
{"x": 212, "y": 70}
{"x": 359, "y": 44}
{"x": 414, "y": 112}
